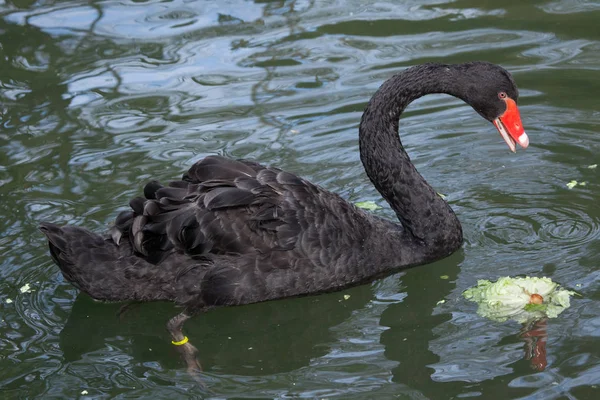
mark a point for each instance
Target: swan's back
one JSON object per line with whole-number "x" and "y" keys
{"x": 231, "y": 232}
{"x": 238, "y": 208}
{"x": 267, "y": 232}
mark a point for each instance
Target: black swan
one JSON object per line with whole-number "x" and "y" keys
{"x": 234, "y": 232}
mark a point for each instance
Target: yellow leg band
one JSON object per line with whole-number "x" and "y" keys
{"x": 181, "y": 342}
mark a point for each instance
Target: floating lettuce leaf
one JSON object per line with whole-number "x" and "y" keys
{"x": 511, "y": 298}
{"x": 572, "y": 184}
{"x": 367, "y": 205}
{"x": 26, "y": 288}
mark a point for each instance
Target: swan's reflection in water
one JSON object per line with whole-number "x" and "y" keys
{"x": 535, "y": 336}
{"x": 253, "y": 340}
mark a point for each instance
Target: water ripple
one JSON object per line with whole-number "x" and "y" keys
{"x": 566, "y": 228}
{"x": 570, "y": 7}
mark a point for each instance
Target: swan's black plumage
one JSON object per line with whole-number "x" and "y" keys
{"x": 236, "y": 232}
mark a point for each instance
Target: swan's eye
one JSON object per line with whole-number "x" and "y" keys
{"x": 502, "y": 95}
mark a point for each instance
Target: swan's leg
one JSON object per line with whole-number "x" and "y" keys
{"x": 187, "y": 350}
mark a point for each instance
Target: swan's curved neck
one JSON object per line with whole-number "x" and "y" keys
{"x": 423, "y": 213}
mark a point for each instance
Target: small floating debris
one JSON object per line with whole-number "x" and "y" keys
{"x": 444, "y": 277}
{"x": 519, "y": 299}
{"x": 8, "y": 301}
{"x": 443, "y": 196}
{"x": 368, "y": 205}
{"x": 441, "y": 302}
{"x": 572, "y": 184}
{"x": 26, "y": 288}
{"x": 84, "y": 392}
{"x": 346, "y": 296}
{"x": 593, "y": 166}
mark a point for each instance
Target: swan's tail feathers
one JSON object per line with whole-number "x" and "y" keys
{"x": 102, "y": 269}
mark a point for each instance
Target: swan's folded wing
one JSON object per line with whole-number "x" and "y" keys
{"x": 220, "y": 206}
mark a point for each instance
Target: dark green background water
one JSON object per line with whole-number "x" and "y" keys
{"x": 98, "y": 97}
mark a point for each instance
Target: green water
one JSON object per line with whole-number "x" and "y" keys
{"x": 98, "y": 97}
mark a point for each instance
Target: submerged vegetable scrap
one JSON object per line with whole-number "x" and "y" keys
{"x": 26, "y": 288}
{"x": 368, "y": 205}
{"x": 572, "y": 184}
{"x": 519, "y": 299}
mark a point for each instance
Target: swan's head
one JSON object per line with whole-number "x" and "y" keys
{"x": 492, "y": 92}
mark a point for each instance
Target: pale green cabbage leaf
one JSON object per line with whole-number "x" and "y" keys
{"x": 509, "y": 298}
{"x": 368, "y": 205}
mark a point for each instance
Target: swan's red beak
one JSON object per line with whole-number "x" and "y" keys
{"x": 510, "y": 126}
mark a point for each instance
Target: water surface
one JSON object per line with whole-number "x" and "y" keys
{"x": 97, "y": 97}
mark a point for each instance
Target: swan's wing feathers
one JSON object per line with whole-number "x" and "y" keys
{"x": 224, "y": 197}
{"x": 151, "y": 188}
{"x": 247, "y": 183}
{"x": 137, "y": 205}
{"x": 185, "y": 234}
{"x": 221, "y": 207}
{"x": 285, "y": 178}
